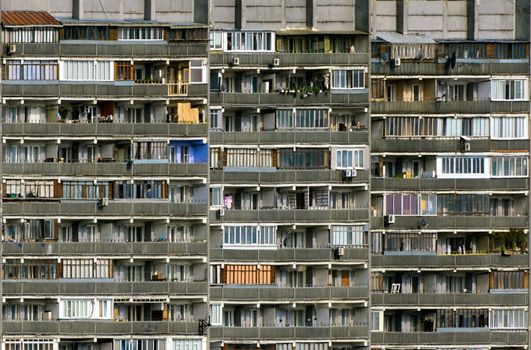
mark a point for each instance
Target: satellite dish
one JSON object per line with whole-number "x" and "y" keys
{"x": 453, "y": 60}
{"x": 385, "y": 57}
{"x": 421, "y": 55}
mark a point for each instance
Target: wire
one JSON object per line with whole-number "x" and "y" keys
{"x": 103, "y": 9}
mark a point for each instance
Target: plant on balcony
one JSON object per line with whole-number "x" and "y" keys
{"x": 514, "y": 241}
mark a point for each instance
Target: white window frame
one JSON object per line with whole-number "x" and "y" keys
{"x": 509, "y": 127}
{"x": 216, "y": 40}
{"x": 510, "y": 161}
{"x": 498, "y": 89}
{"x": 340, "y": 79}
{"x": 377, "y": 320}
{"x": 216, "y": 314}
{"x": 467, "y": 166}
{"x": 357, "y": 158}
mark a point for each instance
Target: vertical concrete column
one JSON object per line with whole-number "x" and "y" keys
{"x": 471, "y": 19}
{"x": 309, "y": 13}
{"x": 402, "y": 9}
{"x": 149, "y": 9}
{"x": 238, "y": 14}
{"x": 78, "y": 9}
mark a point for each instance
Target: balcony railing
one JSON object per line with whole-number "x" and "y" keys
{"x": 51, "y": 287}
{"x": 288, "y": 255}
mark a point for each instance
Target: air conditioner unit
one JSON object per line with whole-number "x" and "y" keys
{"x": 276, "y": 62}
{"x": 12, "y": 49}
{"x": 348, "y": 173}
{"x": 353, "y": 173}
{"x": 389, "y": 219}
{"x": 236, "y": 61}
{"x": 396, "y": 62}
{"x": 340, "y": 251}
{"x": 467, "y": 146}
{"x": 103, "y": 202}
{"x": 221, "y": 213}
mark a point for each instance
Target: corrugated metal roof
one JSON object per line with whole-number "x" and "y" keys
{"x": 397, "y": 38}
{"x": 28, "y": 18}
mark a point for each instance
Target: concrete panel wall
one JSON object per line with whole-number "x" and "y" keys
{"x": 134, "y": 9}
{"x": 174, "y": 11}
{"x": 295, "y": 13}
{"x": 111, "y": 9}
{"x": 383, "y": 16}
{"x": 334, "y": 14}
{"x": 495, "y": 19}
{"x": 440, "y": 19}
{"x": 222, "y": 13}
{"x": 267, "y": 15}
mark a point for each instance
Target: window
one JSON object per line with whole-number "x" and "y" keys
{"x": 29, "y": 189}
{"x": 511, "y": 166}
{"x": 30, "y": 70}
{"x": 140, "y": 33}
{"x": 436, "y": 127}
{"x": 303, "y": 158}
{"x": 216, "y": 119}
{"x": 197, "y": 72}
{"x": 216, "y": 40}
{"x": 352, "y": 236}
{"x": 216, "y": 196}
{"x": 462, "y": 318}
{"x": 410, "y": 242}
{"x": 348, "y": 79}
{"x": 150, "y": 150}
{"x": 85, "y": 309}
{"x": 31, "y": 35}
{"x": 181, "y": 344}
{"x": 87, "y": 268}
{"x": 509, "y": 89}
{"x": 509, "y": 128}
{"x": 28, "y": 344}
{"x": 249, "y": 41}
{"x": 508, "y": 319}
{"x": 377, "y": 320}
{"x": 461, "y": 167}
{"x": 86, "y": 70}
{"x": 463, "y": 204}
{"x": 85, "y": 190}
{"x": 253, "y": 236}
{"x": 86, "y": 33}
{"x": 123, "y": 70}
{"x": 248, "y": 274}
{"x": 410, "y": 204}
{"x": 509, "y": 280}
{"x": 216, "y": 314}
{"x": 349, "y": 159}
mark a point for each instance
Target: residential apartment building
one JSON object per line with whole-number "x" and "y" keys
{"x": 289, "y": 175}
{"x": 281, "y": 174}
{"x": 449, "y": 174}
{"x": 104, "y": 175}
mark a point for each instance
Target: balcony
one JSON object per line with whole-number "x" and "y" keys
{"x": 290, "y": 216}
{"x": 449, "y": 261}
{"x": 326, "y": 176}
{"x": 54, "y": 287}
{"x": 468, "y": 336}
{"x": 259, "y": 293}
{"x": 73, "y": 208}
{"x": 287, "y": 255}
{"x": 438, "y": 69}
{"x": 451, "y": 107}
{"x": 109, "y": 169}
{"x": 109, "y": 90}
{"x": 452, "y": 222}
{"x": 455, "y": 299}
{"x": 112, "y": 49}
{"x": 311, "y": 136}
{"x": 105, "y": 248}
{"x": 435, "y": 184}
{"x": 420, "y": 145}
{"x": 98, "y": 328}
{"x": 275, "y": 100}
{"x": 289, "y": 333}
{"x": 288, "y": 60}
{"x": 104, "y": 129}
